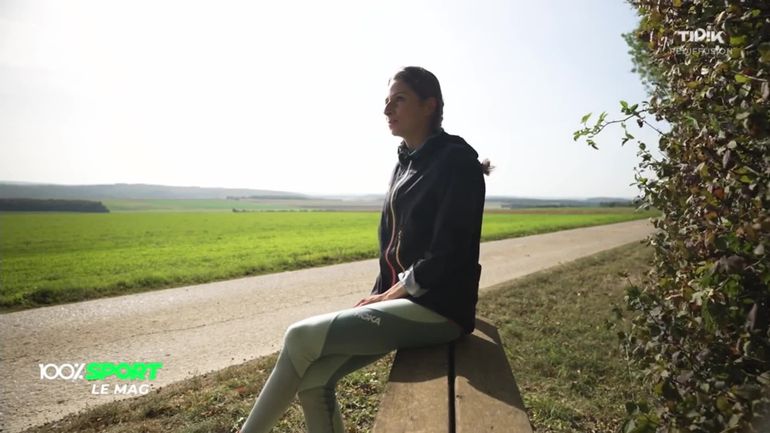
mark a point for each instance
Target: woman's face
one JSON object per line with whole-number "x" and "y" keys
{"x": 406, "y": 114}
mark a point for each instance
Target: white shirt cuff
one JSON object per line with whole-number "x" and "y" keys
{"x": 412, "y": 287}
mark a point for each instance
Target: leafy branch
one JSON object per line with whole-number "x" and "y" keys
{"x": 631, "y": 111}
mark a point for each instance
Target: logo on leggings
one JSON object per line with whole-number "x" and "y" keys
{"x": 369, "y": 317}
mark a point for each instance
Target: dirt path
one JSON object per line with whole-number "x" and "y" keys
{"x": 200, "y": 328}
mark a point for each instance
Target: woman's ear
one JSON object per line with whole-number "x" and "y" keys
{"x": 430, "y": 105}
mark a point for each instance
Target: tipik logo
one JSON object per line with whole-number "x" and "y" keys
{"x": 701, "y": 35}
{"x": 369, "y": 317}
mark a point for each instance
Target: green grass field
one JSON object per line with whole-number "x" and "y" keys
{"x": 49, "y": 258}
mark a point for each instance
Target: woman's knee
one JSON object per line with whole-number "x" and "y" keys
{"x": 304, "y": 339}
{"x": 310, "y": 329}
{"x": 295, "y": 334}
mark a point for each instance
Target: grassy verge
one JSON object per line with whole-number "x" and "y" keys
{"x": 53, "y": 258}
{"x": 553, "y": 324}
{"x": 558, "y": 332}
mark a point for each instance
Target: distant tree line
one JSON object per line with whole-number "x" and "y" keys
{"x": 621, "y": 203}
{"x": 50, "y": 204}
{"x": 265, "y": 196}
{"x": 283, "y": 210}
{"x": 627, "y": 203}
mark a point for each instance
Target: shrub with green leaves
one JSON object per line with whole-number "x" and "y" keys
{"x": 698, "y": 329}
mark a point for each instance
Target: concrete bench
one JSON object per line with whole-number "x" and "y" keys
{"x": 465, "y": 386}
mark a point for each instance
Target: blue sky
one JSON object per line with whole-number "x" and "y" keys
{"x": 289, "y": 95}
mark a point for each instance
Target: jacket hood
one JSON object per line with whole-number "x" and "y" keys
{"x": 434, "y": 142}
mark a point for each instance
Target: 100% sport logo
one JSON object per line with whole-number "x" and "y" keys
{"x": 130, "y": 371}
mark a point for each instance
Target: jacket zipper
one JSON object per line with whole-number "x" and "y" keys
{"x": 393, "y": 223}
{"x": 398, "y": 244}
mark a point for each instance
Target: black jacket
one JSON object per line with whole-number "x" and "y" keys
{"x": 431, "y": 220}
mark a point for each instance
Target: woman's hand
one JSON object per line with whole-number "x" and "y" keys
{"x": 396, "y": 291}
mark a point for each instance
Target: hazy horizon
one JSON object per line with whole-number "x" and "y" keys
{"x": 324, "y": 195}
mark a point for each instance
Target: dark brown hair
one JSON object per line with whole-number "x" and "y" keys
{"x": 426, "y": 85}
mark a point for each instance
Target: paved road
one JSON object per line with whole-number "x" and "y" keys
{"x": 205, "y": 327}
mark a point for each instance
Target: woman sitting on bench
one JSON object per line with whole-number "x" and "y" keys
{"x": 427, "y": 288}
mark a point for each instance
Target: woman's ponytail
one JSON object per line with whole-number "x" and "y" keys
{"x": 486, "y": 166}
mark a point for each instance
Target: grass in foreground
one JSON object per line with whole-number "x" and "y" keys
{"x": 558, "y": 332}
{"x": 52, "y": 258}
{"x": 553, "y": 326}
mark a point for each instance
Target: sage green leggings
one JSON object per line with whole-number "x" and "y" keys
{"x": 319, "y": 350}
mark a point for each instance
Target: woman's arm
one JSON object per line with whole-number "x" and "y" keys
{"x": 396, "y": 291}
{"x": 457, "y": 225}
{"x": 458, "y": 216}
